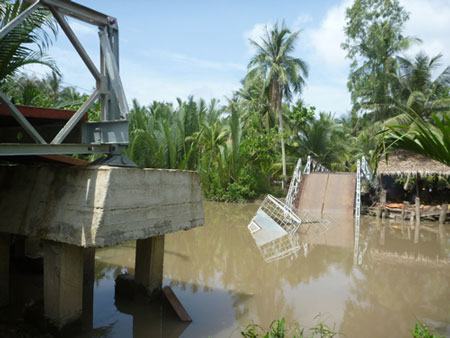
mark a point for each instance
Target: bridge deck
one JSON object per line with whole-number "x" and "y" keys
{"x": 324, "y": 194}
{"x": 330, "y": 196}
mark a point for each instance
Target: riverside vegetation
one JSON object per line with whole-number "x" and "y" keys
{"x": 244, "y": 147}
{"x": 279, "y": 329}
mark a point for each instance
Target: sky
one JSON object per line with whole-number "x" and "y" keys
{"x": 177, "y": 48}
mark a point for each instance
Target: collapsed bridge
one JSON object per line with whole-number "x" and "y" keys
{"x": 318, "y": 201}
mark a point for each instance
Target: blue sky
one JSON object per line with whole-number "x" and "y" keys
{"x": 177, "y": 48}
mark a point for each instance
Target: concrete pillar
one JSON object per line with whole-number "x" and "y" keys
{"x": 63, "y": 282}
{"x": 88, "y": 287}
{"x": 4, "y": 269}
{"x": 19, "y": 243}
{"x": 149, "y": 263}
{"x": 417, "y": 228}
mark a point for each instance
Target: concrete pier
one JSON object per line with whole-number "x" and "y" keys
{"x": 149, "y": 263}
{"x": 4, "y": 269}
{"x": 63, "y": 282}
{"x": 76, "y": 209}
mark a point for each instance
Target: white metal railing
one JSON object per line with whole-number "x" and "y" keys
{"x": 294, "y": 185}
{"x": 314, "y": 166}
{"x": 357, "y": 210}
{"x": 278, "y": 211}
{"x": 365, "y": 169}
{"x": 310, "y": 166}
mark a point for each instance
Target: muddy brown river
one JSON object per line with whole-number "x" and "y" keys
{"x": 226, "y": 282}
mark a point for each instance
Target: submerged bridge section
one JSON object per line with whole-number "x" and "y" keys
{"x": 325, "y": 194}
{"x": 329, "y": 197}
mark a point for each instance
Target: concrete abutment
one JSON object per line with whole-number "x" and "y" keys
{"x": 73, "y": 210}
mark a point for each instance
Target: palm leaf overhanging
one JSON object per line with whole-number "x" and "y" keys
{"x": 410, "y": 131}
{"x": 27, "y": 43}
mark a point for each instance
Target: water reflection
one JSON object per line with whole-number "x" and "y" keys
{"x": 224, "y": 282}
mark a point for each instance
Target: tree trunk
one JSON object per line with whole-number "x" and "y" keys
{"x": 276, "y": 99}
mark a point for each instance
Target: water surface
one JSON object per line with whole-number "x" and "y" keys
{"x": 225, "y": 282}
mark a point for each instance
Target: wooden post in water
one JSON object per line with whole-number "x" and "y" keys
{"x": 382, "y": 202}
{"x": 149, "y": 263}
{"x": 417, "y": 228}
{"x": 442, "y": 218}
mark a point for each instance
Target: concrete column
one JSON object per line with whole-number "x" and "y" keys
{"x": 417, "y": 229}
{"x": 149, "y": 263}
{"x": 88, "y": 287}
{"x": 63, "y": 282}
{"x": 4, "y": 269}
{"x": 19, "y": 243}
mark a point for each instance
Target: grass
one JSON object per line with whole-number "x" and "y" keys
{"x": 279, "y": 329}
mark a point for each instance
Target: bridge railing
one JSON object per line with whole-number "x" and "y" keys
{"x": 310, "y": 166}
{"x": 362, "y": 171}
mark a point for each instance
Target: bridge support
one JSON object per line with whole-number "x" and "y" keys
{"x": 63, "y": 282}
{"x": 4, "y": 269}
{"x": 76, "y": 209}
{"x": 148, "y": 277}
{"x": 149, "y": 263}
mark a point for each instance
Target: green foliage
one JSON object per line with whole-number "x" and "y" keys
{"x": 374, "y": 38}
{"x": 282, "y": 74}
{"x": 412, "y": 132}
{"x": 236, "y": 147}
{"x": 384, "y": 84}
{"x": 279, "y": 329}
{"x": 418, "y": 90}
{"x": 47, "y": 92}
{"x": 25, "y": 44}
{"x": 422, "y": 331}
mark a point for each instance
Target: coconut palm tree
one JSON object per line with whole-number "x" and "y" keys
{"x": 25, "y": 44}
{"x": 283, "y": 74}
{"x": 418, "y": 90}
{"x": 321, "y": 138}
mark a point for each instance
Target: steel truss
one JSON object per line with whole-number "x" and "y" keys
{"x": 100, "y": 137}
{"x": 362, "y": 171}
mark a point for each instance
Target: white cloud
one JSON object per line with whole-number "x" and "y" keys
{"x": 327, "y": 38}
{"x": 429, "y": 21}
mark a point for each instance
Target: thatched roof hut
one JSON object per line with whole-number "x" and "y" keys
{"x": 402, "y": 162}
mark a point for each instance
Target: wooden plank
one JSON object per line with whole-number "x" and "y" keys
{"x": 176, "y": 305}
